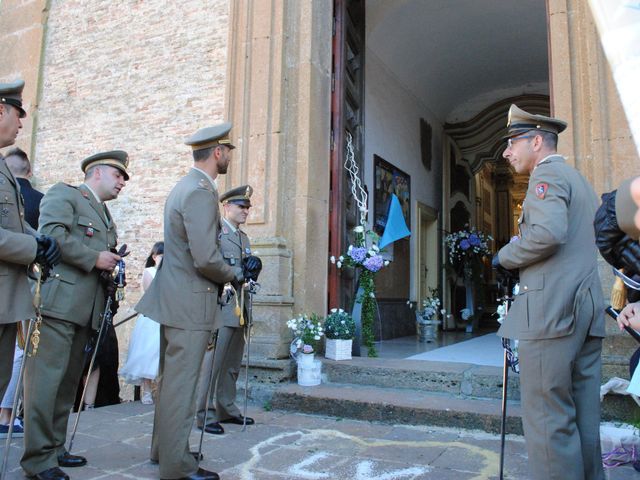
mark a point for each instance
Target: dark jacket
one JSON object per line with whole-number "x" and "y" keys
{"x": 32, "y": 198}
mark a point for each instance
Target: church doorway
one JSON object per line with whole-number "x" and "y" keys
{"x": 421, "y": 90}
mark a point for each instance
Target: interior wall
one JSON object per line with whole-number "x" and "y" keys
{"x": 392, "y": 131}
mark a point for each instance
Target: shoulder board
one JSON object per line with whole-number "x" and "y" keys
{"x": 70, "y": 186}
{"x": 203, "y": 183}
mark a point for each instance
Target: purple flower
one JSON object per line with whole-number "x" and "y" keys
{"x": 358, "y": 254}
{"x": 474, "y": 240}
{"x": 373, "y": 264}
{"x": 465, "y": 244}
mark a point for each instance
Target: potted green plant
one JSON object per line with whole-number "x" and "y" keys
{"x": 339, "y": 330}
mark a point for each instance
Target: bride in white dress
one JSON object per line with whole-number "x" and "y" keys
{"x": 143, "y": 358}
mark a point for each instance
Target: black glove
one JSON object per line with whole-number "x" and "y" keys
{"x": 626, "y": 254}
{"x": 251, "y": 267}
{"x": 235, "y": 283}
{"x": 48, "y": 253}
{"x": 503, "y": 273}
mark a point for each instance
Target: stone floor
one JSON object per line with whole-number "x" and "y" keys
{"x": 286, "y": 446}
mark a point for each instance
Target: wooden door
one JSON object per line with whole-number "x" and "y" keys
{"x": 347, "y": 99}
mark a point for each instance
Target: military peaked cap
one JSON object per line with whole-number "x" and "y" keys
{"x": 114, "y": 158}
{"x": 211, "y": 137}
{"x": 239, "y": 196}
{"x": 520, "y": 122}
{"x": 11, "y": 94}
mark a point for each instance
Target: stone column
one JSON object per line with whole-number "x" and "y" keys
{"x": 598, "y": 140}
{"x": 278, "y": 93}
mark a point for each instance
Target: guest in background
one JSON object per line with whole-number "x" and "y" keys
{"x": 18, "y": 162}
{"x": 143, "y": 358}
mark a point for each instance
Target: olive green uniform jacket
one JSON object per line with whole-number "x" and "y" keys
{"x": 558, "y": 316}
{"x": 83, "y": 228}
{"x": 18, "y": 248}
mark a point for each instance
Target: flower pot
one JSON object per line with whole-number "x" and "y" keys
{"x": 338, "y": 349}
{"x": 306, "y": 360}
{"x": 427, "y": 330}
{"x": 310, "y": 375}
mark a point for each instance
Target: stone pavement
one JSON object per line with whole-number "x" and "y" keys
{"x": 290, "y": 446}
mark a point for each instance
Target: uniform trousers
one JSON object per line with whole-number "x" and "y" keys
{"x": 226, "y": 368}
{"x": 181, "y": 353}
{"x": 50, "y": 382}
{"x": 7, "y": 346}
{"x": 560, "y": 398}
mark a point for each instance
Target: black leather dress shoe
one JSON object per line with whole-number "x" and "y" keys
{"x": 201, "y": 474}
{"x": 69, "y": 461}
{"x": 238, "y": 420}
{"x": 51, "y": 474}
{"x": 195, "y": 455}
{"x": 214, "y": 428}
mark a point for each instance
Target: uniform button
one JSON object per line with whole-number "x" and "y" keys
{"x": 208, "y": 289}
{"x": 526, "y": 288}
{"x": 57, "y": 275}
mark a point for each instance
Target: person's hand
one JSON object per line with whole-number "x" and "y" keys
{"x": 107, "y": 261}
{"x": 630, "y": 316}
{"x": 48, "y": 253}
{"x": 502, "y": 272}
{"x": 251, "y": 267}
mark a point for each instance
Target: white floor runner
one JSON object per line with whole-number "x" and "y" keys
{"x": 484, "y": 350}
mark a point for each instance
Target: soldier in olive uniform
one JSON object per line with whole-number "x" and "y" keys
{"x": 558, "y": 312}
{"x": 183, "y": 298}
{"x": 235, "y": 246}
{"x": 19, "y": 243}
{"x": 73, "y": 301}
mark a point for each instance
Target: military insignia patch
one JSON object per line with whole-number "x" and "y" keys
{"x": 541, "y": 190}
{"x": 89, "y": 232}
{"x": 84, "y": 194}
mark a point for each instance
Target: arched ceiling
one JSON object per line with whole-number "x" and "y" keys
{"x": 448, "y": 52}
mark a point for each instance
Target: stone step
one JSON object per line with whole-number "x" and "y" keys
{"x": 458, "y": 379}
{"x": 395, "y": 406}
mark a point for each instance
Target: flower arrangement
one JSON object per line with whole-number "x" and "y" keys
{"x": 339, "y": 325}
{"x": 307, "y": 331}
{"x": 365, "y": 257}
{"x": 466, "y": 246}
{"x": 430, "y": 306}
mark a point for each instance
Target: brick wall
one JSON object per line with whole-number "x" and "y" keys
{"x": 133, "y": 75}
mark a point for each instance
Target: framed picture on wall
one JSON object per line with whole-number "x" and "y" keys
{"x": 387, "y": 181}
